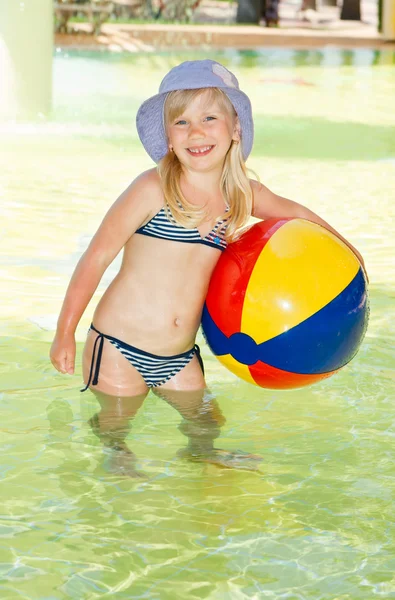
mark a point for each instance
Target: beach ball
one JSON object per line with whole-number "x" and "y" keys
{"x": 287, "y": 304}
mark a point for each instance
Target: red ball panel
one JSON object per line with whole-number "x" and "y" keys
{"x": 230, "y": 278}
{"x": 269, "y": 377}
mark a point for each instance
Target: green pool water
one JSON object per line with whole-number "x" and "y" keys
{"x": 316, "y": 520}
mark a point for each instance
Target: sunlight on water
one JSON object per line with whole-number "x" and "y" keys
{"x": 80, "y": 521}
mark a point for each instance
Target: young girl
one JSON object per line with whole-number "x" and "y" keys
{"x": 172, "y": 223}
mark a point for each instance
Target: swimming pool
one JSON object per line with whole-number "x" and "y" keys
{"x": 316, "y": 520}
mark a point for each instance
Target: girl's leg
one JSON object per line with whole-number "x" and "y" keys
{"x": 202, "y": 418}
{"x": 201, "y": 422}
{"x": 112, "y": 425}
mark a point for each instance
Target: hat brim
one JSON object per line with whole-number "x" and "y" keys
{"x": 151, "y": 131}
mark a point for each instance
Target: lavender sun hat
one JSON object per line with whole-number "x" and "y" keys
{"x": 192, "y": 75}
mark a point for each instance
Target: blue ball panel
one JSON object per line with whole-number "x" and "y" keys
{"x": 217, "y": 341}
{"x": 239, "y": 345}
{"x": 326, "y": 341}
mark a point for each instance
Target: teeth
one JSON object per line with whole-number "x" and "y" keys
{"x": 199, "y": 150}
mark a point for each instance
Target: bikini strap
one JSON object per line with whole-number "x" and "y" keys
{"x": 199, "y": 357}
{"x": 99, "y": 340}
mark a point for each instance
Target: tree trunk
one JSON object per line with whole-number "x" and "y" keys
{"x": 249, "y": 11}
{"x": 351, "y": 10}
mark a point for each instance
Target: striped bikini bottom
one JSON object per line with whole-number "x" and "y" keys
{"x": 155, "y": 370}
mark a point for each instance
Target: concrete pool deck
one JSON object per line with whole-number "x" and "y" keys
{"x": 215, "y": 28}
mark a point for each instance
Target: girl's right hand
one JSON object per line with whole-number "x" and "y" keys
{"x": 62, "y": 353}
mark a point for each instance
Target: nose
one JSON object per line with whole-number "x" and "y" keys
{"x": 196, "y": 130}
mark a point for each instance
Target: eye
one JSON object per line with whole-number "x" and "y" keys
{"x": 180, "y": 122}
{"x": 210, "y": 118}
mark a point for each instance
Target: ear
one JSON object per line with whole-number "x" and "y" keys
{"x": 236, "y": 131}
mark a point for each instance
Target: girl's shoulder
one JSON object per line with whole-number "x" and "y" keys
{"x": 146, "y": 188}
{"x": 256, "y": 188}
{"x": 256, "y": 185}
{"x": 263, "y": 199}
{"x": 148, "y": 181}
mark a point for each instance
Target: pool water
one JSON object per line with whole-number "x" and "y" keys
{"x": 314, "y": 519}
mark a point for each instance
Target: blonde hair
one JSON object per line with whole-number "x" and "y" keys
{"x": 234, "y": 184}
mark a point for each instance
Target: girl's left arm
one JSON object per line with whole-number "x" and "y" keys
{"x": 267, "y": 205}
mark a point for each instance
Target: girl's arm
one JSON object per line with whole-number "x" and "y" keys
{"x": 268, "y": 205}
{"x": 129, "y": 211}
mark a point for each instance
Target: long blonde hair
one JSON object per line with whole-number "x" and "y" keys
{"x": 234, "y": 184}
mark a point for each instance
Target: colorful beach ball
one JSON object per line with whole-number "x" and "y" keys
{"x": 287, "y": 304}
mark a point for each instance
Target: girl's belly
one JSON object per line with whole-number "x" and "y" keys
{"x": 155, "y": 316}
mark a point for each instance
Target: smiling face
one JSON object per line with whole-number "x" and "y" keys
{"x": 201, "y": 125}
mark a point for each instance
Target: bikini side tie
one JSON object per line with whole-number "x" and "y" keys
{"x": 95, "y": 380}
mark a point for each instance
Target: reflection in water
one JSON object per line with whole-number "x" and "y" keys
{"x": 328, "y": 57}
{"x": 60, "y": 417}
{"x": 68, "y": 469}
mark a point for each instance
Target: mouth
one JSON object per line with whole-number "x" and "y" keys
{"x": 199, "y": 151}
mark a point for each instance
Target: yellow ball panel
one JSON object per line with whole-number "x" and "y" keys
{"x": 237, "y": 368}
{"x": 300, "y": 270}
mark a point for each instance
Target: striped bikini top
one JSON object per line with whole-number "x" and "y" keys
{"x": 160, "y": 226}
